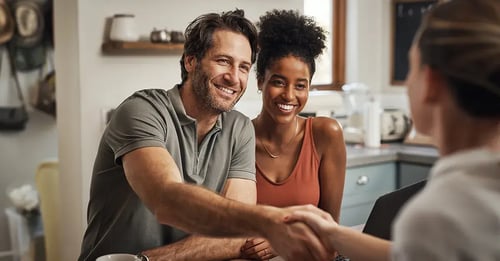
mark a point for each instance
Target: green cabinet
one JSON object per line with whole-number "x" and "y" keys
{"x": 363, "y": 185}
{"x": 409, "y": 173}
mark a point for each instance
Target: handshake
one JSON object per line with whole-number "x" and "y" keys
{"x": 303, "y": 233}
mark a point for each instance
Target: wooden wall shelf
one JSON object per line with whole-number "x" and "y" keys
{"x": 142, "y": 47}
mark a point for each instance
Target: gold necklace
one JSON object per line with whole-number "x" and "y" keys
{"x": 274, "y": 156}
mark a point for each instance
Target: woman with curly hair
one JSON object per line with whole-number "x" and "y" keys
{"x": 454, "y": 90}
{"x": 298, "y": 160}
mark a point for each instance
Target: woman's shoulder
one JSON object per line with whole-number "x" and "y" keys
{"x": 325, "y": 127}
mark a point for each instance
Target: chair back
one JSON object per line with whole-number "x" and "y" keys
{"x": 47, "y": 183}
{"x": 386, "y": 209}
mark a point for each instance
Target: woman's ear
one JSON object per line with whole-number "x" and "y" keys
{"x": 435, "y": 85}
{"x": 260, "y": 82}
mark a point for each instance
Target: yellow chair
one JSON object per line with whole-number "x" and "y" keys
{"x": 47, "y": 183}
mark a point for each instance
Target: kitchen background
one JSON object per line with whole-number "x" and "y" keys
{"x": 90, "y": 83}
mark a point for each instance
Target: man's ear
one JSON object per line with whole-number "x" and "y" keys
{"x": 189, "y": 63}
{"x": 435, "y": 84}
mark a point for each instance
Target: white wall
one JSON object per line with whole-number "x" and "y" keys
{"x": 93, "y": 82}
{"x": 368, "y": 50}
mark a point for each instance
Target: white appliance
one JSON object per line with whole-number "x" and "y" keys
{"x": 394, "y": 125}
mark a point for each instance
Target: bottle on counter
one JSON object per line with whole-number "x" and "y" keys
{"x": 372, "y": 114}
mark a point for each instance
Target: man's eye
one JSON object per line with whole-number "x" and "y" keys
{"x": 245, "y": 68}
{"x": 223, "y": 61}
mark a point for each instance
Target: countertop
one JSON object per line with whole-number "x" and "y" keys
{"x": 358, "y": 155}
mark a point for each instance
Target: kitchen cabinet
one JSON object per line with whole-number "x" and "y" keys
{"x": 409, "y": 173}
{"x": 363, "y": 185}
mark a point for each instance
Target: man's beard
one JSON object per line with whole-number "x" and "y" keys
{"x": 206, "y": 99}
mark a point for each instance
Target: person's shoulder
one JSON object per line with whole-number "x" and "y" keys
{"x": 326, "y": 128}
{"x": 235, "y": 116}
{"x": 150, "y": 94}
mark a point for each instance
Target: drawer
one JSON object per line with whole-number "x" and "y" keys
{"x": 370, "y": 179}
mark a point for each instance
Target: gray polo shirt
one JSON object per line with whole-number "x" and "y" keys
{"x": 117, "y": 220}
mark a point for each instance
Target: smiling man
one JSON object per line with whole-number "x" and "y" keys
{"x": 176, "y": 135}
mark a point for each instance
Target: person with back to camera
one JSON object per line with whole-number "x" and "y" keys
{"x": 454, "y": 90}
{"x": 165, "y": 153}
{"x": 298, "y": 160}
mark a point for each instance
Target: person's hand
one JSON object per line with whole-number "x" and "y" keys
{"x": 318, "y": 220}
{"x": 257, "y": 249}
{"x": 294, "y": 240}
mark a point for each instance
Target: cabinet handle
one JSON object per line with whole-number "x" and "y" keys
{"x": 362, "y": 180}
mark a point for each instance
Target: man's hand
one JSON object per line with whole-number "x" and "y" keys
{"x": 318, "y": 220}
{"x": 293, "y": 240}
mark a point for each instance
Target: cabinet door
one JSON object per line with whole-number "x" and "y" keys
{"x": 363, "y": 186}
{"x": 410, "y": 173}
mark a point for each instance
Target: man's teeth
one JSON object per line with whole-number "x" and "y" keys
{"x": 286, "y": 107}
{"x": 226, "y": 90}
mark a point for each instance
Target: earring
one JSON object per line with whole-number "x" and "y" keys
{"x": 259, "y": 91}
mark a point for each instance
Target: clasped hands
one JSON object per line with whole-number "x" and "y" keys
{"x": 302, "y": 234}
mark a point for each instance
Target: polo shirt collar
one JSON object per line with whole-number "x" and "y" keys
{"x": 184, "y": 119}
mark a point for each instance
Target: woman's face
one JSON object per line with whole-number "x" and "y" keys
{"x": 285, "y": 88}
{"x": 416, "y": 83}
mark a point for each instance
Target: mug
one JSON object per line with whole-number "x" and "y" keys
{"x": 119, "y": 257}
{"x": 123, "y": 28}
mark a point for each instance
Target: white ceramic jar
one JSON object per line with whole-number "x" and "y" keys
{"x": 123, "y": 28}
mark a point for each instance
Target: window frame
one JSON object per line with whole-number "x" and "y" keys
{"x": 339, "y": 25}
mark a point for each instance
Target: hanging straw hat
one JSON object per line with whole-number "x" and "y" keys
{"x": 6, "y": 23}
{"x": 30, "y": 22}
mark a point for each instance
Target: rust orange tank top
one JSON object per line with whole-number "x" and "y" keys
{"x": 302, "y": 186}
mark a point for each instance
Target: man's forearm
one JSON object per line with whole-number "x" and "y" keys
{"x": 198, "y": 210}
{"x": 196, "y": 248}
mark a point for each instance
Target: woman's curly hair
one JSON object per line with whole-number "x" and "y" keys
{"x": 286, "y": 32}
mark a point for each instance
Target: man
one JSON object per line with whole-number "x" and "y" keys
{"x": 164, "y": 150}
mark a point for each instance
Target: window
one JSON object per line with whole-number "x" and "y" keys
{"x": 330, "y": 66}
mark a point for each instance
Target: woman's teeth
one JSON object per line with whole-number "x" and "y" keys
{"x": 286, "y": 107}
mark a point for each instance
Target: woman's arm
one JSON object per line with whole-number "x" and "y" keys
{"x": 329, "y": 141}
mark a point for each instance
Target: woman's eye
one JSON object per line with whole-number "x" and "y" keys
{"x": 301, "y": 86}
{"x": 278, "y": 83}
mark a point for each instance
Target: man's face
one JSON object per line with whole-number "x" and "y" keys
{"x": 220, "y": 78}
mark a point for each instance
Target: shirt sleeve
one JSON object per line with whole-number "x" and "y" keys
{"x": 134, "y": 124}
{"x": 243, "y": 158}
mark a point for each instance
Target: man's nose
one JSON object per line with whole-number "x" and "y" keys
{"x": 232, "y": 75}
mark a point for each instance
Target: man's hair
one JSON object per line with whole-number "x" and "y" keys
{"x": 461, "y": 39}
{"x": 199, "y": 34}
{"x": 286, "y": 32}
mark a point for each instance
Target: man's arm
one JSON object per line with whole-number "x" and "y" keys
{"x": 155, "y": 178}
{"x": 198, "y": 248}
